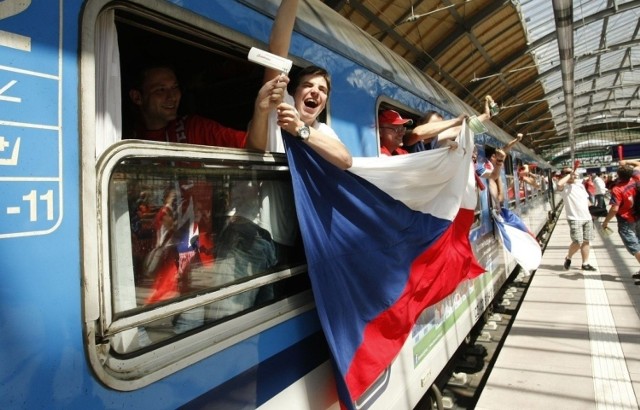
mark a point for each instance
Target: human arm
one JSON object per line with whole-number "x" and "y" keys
{"x": 562, "y": 182}
{"x": 431, "y": 130}
{"x": 531, "y": 181}
{"x": 513, "y": 142}
{"x": 486, "y": 115}
{"x": 526, "y": 176}
{"x": 331, "y": 149}
{"x": 269, "y": 97}
{"x": 635, "y": 164}
{"x": 612, "y": 212}
{"x": 280, "y": 39}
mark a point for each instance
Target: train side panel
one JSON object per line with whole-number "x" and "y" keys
{"x": 40, "y": 314}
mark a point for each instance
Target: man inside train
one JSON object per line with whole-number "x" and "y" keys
{"x": 434, "y": 131}
{"x": 491, "y": 169}
{"x": 432, "y": 128}
{"x": 298, "y": 115}
{"x": 392, "y": 128}
{"x": 308, "y": 93}
{"x": 156, "y": 95}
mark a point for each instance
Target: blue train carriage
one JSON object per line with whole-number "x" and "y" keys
{"x": 94, "y": 316}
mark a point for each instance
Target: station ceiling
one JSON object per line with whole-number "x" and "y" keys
{"x": 568, "y": 79}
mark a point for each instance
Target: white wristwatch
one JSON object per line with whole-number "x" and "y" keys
{"x": 304, "y": 132}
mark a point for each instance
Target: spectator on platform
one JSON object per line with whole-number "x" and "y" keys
{"x": 576, "y": 202}
{"x": 601, "y": 190}
{"x": 622, "y": 207}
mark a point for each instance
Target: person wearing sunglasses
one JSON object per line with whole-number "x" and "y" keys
{"x": 392, "y": 128}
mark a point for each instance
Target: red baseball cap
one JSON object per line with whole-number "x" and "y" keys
{"x": 393, "y": 118}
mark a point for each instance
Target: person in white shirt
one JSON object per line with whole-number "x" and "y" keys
{"x": 601, "y": 190}
{"x": 576, "y": 203}
{"x": 305, "y": 100}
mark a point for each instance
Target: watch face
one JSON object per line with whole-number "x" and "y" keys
{"x": 304, "y": 132}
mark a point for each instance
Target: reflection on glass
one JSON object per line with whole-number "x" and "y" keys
{"x": 511, "y": 191}
{"x": 180, "y": 229}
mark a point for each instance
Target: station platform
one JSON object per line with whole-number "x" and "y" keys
{"x": 575, "y": 341}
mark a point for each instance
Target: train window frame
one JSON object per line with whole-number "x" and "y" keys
{"x": 133, "y": 370}
{"x": 114, "y": 322}
{"x": 509, "y": 176}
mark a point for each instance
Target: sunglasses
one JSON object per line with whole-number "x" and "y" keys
{"x": 395, "y": 129}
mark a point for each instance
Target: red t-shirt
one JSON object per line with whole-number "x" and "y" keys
{"x": 193, "y": 129}
{"x": 622, "y": 195}
{"x": 590, "y": 186}
{"x": 397, "y": 151}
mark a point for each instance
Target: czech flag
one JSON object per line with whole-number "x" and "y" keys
{"x": 518, "y": 240}
{"x": 383, "y": 241}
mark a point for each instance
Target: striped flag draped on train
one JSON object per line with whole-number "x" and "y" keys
{"x": 379, "y": 252}
{"x": 518, "y": 240}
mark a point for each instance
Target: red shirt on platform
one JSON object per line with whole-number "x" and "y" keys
{"x": 590, "y": 186}
{"x": 193, "y": 129}
{"x": 622, "y": 195}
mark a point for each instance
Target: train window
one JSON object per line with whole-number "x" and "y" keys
{"x": 480, "y": 187}
{"x": 477, "y": 213}
{"x": 404, "y": 112}
{"x": 184, "y": 229}
{"x": 510, "y": 184}
{"x": 215, "y": 78}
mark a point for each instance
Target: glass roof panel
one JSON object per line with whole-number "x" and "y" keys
{"x": 538, "y": 17}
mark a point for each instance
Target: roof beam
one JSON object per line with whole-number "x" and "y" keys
{"x": 367, "y": 14}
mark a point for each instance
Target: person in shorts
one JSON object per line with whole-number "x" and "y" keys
{"x": 576, "y": 203}
{"x": 622, "y": 198}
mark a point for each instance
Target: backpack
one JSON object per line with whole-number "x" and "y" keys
{"x": 597, "y": 211}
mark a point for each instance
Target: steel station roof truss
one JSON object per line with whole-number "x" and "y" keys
{"x": 562, "y": 91}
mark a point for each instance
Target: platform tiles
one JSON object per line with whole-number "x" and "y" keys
{"x": 575, "y": 343}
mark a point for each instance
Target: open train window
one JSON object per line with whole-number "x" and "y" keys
{"x": 197, "y": 247}
{"x": 215, "y": 77}
{"x": 510, "y": 182}
{"x": 404, "y": 112}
